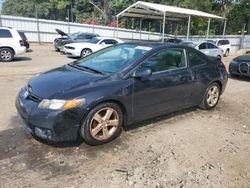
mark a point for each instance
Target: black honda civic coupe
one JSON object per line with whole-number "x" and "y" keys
{"x": 96, "y": 96}
{"x": 240, "y": 66}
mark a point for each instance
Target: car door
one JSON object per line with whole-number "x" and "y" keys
{"x": 167, "y": 89}
{"x": 203, "y": 48}
{"x": 202, "y": 73}
{"x": 213, "y": 50}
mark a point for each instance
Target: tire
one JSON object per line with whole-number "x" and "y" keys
{"x": 95, "y": 128}
{"x": 227, "y": 53}
{"x": 213, "y": 91}
{"x": 6, "y": 54}
{"x": 86, "y": 52}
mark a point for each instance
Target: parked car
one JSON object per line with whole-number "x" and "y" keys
{"x": 75, "y": 37}
{"x": 207, "y": 48}
{"x": 94, "y": 97}
{"x": 25, "y": 39}
{"x": 240, "y": 66}
{"x": 11, "y": 44}
{"x": 87, "y": 48}
{"x": 224, "y": 44}
{"x": 173, "y": 40}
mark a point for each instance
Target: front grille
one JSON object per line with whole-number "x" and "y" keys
{"x": 34, "y": 98}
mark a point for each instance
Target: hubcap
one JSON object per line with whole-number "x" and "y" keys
{"x": 104, "y": 123}
{"x": 5, "y": 54}
{"x": 213, "y": 96}
{"x": 86, "y": 53}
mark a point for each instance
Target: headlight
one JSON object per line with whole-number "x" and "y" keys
{"x": 55, "y": 104}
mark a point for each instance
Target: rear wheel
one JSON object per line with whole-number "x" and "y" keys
{"x": 102, "y": 124}
{"x": 6, "y": 54}
{"x": 86, "y": 52}
{"x": 211, "y": 97}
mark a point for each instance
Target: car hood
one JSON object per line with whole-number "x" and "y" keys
{"x": 59, "y": 81}
{"x": 60, "y": 32}
{"x": 243, "y": 58}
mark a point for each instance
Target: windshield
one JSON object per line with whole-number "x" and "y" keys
{"x": 73, "y": 35}
{"x": 94, "y": 41}
{"x": 114, "y": 58}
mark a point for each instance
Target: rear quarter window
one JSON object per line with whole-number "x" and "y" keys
{"x": 4, "y": 33}
{"x": 195, "y": 59}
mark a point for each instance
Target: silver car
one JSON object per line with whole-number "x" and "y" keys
{"x": 207, "y": 48}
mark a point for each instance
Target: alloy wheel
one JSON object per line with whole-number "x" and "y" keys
{"x": 213, "y": 96}
{"x": 85, "y": 53}
{"x": 104, "y": 123}
{"x": 6, "y": 55}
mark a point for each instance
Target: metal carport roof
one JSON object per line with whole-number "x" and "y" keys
{"x": 145, "y": 10}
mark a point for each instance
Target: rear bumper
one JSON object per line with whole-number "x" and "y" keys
{"x": 20, "y": 50}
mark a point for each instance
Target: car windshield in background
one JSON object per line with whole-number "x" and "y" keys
{"x": 190, "y": 44}
{"x": 114, "y": 58}
{"x": 73, "y": 36}
{"x": 94, "y": 41}
{"x": 22, "y": 35}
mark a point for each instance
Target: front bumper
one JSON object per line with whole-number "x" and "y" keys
{"x": 72, "y": 53}
{"x": 52, "y": 125}
{"x": 240, "y": 69}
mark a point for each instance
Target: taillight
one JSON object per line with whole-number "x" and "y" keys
{"x": 21, "y": 42}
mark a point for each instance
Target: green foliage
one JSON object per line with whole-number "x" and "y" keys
{"x": 105, "y": 10}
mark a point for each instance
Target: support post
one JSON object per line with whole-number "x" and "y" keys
{"x": 188, "y": 29}
{"x": 37, "y": 25}
{"x": 224, "y": 29}
{"x": 208, "y": 27}
{"x": 163, "y": 27}
{"x": 140, "y": 27}
{"x": 68, "y": 21}
{"x": 117, "y": 25}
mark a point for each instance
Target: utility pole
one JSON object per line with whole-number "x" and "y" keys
{"x": 37, "y": 25}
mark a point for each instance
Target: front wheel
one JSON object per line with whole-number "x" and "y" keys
{"x": 102, "y": 124}
{"x": 211, "y": 97}
{"x": 86, "y": 52}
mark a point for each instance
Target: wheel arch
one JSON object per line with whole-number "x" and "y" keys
{"x": 8, "y": 48}
{"x": 115, "y": 101}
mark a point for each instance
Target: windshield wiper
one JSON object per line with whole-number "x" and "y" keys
{"x": 85, "y": 67}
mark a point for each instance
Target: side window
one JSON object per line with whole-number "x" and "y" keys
{"x": 226, "y": 42}
{"x": 203, "y": 46}
{"x": 109, "y": 41}
{"x": 220, "y": 42}
{"x": 195, "y": 59}
{"x": 89, "y": 36}
{"x": 4, "y": 33}
{"x": 81, "y": 37}
{"x": 166, "y": 60}
{"x": 211, "y": 46}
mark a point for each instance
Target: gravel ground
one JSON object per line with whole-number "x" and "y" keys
{"x": 191, "y": 148}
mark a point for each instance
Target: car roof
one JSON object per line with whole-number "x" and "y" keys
{"x": 155, "y": 45}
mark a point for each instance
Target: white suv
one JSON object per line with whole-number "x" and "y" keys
{"x": 11, "y": 44}
{"x": 224, "y": 44}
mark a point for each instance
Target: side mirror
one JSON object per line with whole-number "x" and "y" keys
{"x": 142, "y": 72}
{"x": 103, "y": 43}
